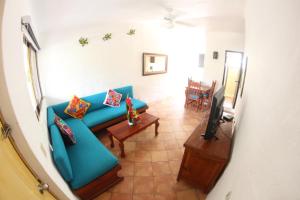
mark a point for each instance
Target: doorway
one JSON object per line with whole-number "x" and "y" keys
{"x": 232, "y": 76}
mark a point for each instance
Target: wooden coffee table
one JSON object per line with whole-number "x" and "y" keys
{"x": 122, "y": 130}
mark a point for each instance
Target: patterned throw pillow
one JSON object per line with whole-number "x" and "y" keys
{"x": 112, "y": 98}
{"x": 77, "y": 108}
{"x": 65, "y": 130}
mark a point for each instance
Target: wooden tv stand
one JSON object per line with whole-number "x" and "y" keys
{"x": 204, "y": 160}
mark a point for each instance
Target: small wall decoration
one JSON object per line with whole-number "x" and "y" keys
{"x": 215, "y": 55}
{"x": 107, "y": 36}
{"x": 154, "y": 63}
{"x": 83, "y": 41}
{"x": 131, "y": 32}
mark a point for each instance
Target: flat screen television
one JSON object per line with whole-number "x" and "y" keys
{"x": 216, "y": 112}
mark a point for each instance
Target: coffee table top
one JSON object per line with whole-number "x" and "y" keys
{"x": 123, "y": 130}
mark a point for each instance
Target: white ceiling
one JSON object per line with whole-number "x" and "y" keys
{"x": 51, "y": 15}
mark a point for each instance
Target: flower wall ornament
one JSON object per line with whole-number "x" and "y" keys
{"x": 131, "y": 32}
{"x": 107, "y": 36}
{"x": 83, "y": 41}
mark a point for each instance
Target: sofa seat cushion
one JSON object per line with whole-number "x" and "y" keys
{"x": 96, "y": 117}
{"x": 89, "y": 157}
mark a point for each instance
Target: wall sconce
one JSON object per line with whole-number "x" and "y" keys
{"x": 215, "y": 55}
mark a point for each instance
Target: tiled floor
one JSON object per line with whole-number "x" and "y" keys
{"x": 151, "y": 164}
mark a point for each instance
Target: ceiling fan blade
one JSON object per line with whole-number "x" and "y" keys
{"x": 168, "y": 23}
{"x": 169, "y": 19}
{"x": 170, "y": 9}
{"x": 184, "y": 23}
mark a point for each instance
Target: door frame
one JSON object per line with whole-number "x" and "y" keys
{"x": 225, "y": 74}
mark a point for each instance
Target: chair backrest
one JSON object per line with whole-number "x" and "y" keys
{"x": 194, "y": 84}
{"x": 193, "y": 87}
{"x": 212, "y": 89}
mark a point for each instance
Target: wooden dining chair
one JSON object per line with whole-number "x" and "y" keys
{"x": 207, "y": 97}
{"x": 192, "y": 94}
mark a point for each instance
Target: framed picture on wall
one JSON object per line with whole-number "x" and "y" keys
{"x": 154, "y": 63}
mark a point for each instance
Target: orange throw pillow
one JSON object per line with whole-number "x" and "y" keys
{"x": 77, "y": 108}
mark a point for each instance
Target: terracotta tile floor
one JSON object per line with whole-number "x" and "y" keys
{"x": 152, "y": 163}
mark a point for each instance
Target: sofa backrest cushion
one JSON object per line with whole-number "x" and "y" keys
{"x": 124, "y": 91}
{"x": 95, "y": 100}
{"x": 59, "y": 109}
{"x": 60, "y": 156}
{"x": 50, "y": 116}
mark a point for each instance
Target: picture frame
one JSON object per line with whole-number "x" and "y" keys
{"x": 154, "y": 63}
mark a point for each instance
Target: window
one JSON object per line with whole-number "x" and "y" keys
{"x": 31, "y": 48}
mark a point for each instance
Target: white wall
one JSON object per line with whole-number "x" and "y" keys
{"x": 68, "y": 69}
{"x": 220, "y": 41}
{"x": 265, "y": 162}
{"x": 30, "y": 134}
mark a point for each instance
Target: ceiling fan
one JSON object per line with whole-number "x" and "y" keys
{"x": 171, "y": 19}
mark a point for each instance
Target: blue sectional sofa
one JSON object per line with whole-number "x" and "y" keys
{"x": 88, "y": 167}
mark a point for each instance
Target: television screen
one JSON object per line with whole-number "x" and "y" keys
{"x": 215, "y": 115}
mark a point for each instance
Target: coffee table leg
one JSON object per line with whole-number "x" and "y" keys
{"x": 156, "y": 127}
{"x": 112, "y": 145}
{"x": 122, "y": 149}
